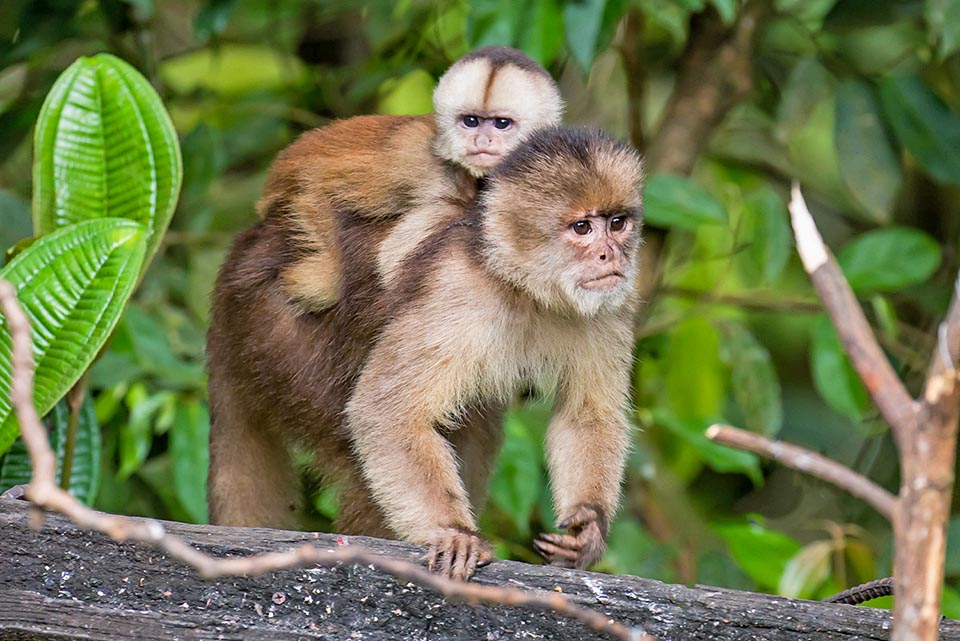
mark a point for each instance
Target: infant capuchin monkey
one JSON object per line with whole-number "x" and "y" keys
{"x": 386, "y": 166}
{"x": 397, "y": 390}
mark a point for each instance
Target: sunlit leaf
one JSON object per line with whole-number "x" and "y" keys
{"x": 924, "y": 125}
{"x": 889, "y": 259}
{"x": 695, "y": 375}
{"x": 677, "y": 201}
{"x": 869, "y": 164}
{"x": 806, "y": 571}
{"x": 761, "y": 553}
{"x": 410, "y": 94}
{"x": 15, "y": 468}
{"x": 754, "y": 380}
{"x": 72, "y": 284}
{"x": 105, "y": 147}
{"x": 232, "y": 69}
{"x": 833, "y": 375}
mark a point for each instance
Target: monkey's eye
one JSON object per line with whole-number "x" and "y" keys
{"x": 618, "y": 223}
{"x": 581, "y": 227}
{"x": 502, "y": 123}
{"x": 470, "y": 121}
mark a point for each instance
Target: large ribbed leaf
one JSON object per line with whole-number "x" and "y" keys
{"x": 104, "y": 147}
{"x": 73, "y": 284}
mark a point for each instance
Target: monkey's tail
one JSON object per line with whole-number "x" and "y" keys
{"x": 864, "y": 592}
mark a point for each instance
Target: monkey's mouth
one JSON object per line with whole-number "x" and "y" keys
{"x": 484, "y": 157}
{"x": 602, "y": 283}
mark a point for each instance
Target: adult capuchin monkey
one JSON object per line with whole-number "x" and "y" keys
{"x": 394, "y": 391}
{"x": 385, "y": 166}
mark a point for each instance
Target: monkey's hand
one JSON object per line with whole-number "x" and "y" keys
{"x": 581, "y": 546}
{"x": 456, "y": 553}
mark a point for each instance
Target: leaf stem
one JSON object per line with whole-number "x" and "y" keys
{"x": 74, "y": 402}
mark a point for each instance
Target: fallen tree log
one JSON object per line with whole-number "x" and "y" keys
{"x": 63, "y": 583}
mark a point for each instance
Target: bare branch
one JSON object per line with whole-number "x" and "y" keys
{"x": 803, "y": 460}
{"x": 44, "y": 492}
{"x": 889, "y": 393}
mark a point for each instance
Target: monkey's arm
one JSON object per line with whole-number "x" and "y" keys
{"x": 410, "y": 385}
{"x": 587, "y": 443}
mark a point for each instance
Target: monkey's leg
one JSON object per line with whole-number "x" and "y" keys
{"x": 477, "y": 442}
{"x": 252, "y": 481}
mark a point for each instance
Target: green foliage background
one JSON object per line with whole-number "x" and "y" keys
{"x": 859, "y": 101}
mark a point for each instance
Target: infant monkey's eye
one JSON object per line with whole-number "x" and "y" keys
{"x": 581, "y": 227}
{"x": 618, "y": 223}
{"x": 470, "y": 121}
{"x": 502, "y": 123}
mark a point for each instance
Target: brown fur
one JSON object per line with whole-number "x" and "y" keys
{"x": 398, "y": 388}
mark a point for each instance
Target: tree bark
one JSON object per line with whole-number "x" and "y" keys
{"x": 63, "y": 583}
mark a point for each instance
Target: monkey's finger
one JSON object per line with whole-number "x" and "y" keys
{"x": 473, "y": 560}
{"x": 446, "y": 563}
{"x": 564, "y": 540}
{"x": 431, "y": 557}
{"x": 462, "y": 557}
{"x": 553, "y": 552}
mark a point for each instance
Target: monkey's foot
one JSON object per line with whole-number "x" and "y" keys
{"x": 16, "y": 492}
{"x": 456, "y": 554}
{"x": 583, "y": 544}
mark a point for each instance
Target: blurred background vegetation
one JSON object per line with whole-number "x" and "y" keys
{"x": 730, "y": 101}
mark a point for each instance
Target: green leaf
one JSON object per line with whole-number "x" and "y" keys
{"x": 806, "y": 571}
{"x": 695, "y": 376}
{"x": 719, "y": 457}
{"x": 762, "y": 553}
{"x": 518, "y": 477}
{"x": 889, "y": 259}
{"x": 764, "y": 225}
{"x": 105, "y": 148}
{"x": 136, "y": 436}
{"x": 232, "y": 69}
{"x": 542, "y": 37}
{"x": 15, "y": 468}
{"x": 833, "y": 375}
{"x": 756, "y": 386}
{"x": 869, "y": 163}
{"x": 189, "y": 435}
{"x": 924, "y": 125}
{"x": 677, "y": 201}
{"x": 73, "y": 284}
{"x": 583, "y": 20}
{"x": 411, "y": 94}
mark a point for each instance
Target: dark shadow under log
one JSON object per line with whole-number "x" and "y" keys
{"x": 62, "y": 583}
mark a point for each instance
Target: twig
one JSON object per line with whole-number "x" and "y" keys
{"x": 44, "y": 493}
{"x": 892, "y": 398}
{"x": 803, "y": 460}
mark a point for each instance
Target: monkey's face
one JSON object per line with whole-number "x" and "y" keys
{"x": 562, "y": 218}
{"x": 482, "y": 141}
{"x": 485, "y": 108}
